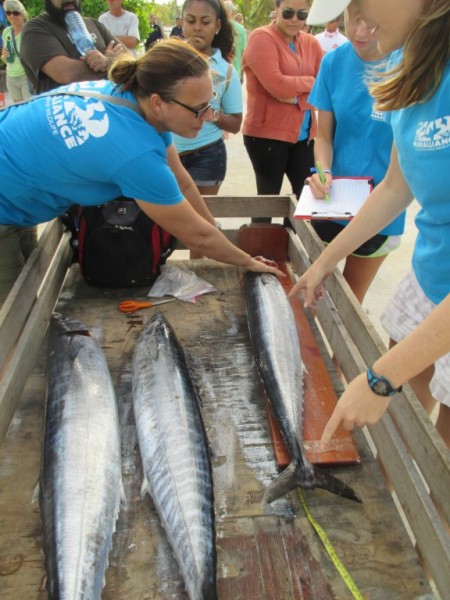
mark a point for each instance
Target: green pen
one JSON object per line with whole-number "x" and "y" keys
{"x": 323, "y": 180}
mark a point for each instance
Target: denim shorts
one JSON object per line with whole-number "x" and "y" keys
{"x": 208, "y": 165}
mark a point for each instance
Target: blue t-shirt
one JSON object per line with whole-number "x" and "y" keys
{"x": 422, "y": 137}
{"x": 228, "y": 100}
{"x": 362, "y": 140}
{"x": 56, "y": 151}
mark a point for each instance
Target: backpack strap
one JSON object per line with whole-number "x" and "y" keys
{"x": 105, "y": 97}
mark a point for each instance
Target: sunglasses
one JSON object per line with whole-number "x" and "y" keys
{"x": 198, "y": 112}
{"x": 288, "y": 13}
{"x": 16, "y": 13}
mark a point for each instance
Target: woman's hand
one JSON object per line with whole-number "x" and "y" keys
{"x": 311, "y": 285}
{"x": 358, "y": 406}
{"x": 319, "y": 189}
{"x": 259, "y": 264}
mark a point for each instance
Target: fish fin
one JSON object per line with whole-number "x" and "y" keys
{"x": 326, "y": 481}
{"x": 295, "y": 476}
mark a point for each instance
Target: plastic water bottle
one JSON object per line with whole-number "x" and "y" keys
{"x": 78, "y": 32}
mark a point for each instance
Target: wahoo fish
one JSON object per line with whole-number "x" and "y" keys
{"x": 80, "y": 481}
{"x": 276, "y": 347}
{"x": 175, "y": 454}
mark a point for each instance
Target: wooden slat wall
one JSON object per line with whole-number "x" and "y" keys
{"x": 25, "y": 313}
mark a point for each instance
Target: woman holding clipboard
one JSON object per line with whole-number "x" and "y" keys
{"x": 353, "y": 139}
{"x": 415, "y": 92}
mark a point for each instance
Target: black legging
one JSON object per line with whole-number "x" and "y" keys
{"x": 272, "y": 159}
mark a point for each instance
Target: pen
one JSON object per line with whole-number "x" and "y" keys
{"x": 323, "y": 180}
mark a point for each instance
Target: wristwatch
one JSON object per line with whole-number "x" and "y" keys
{"x": 380, "y": 385}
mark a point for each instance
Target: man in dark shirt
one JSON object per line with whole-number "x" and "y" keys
{"x": 51, "y": 59}
{"x": 155, "y": 32}
{"x": 177, "y": 31}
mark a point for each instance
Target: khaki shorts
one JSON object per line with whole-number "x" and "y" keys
{"x": 405, "y": 311}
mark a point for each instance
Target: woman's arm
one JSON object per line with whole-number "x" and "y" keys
{"x": 187, "y": 185}
{"x": 387, "y": 201}
{"x": 203, "y": 238}
{"x": 359, "y": 406}
{"x": 230, "y": 123}
{"x": 323, "y": 152}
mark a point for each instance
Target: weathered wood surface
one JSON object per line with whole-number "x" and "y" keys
{"x": 262, "y": 554}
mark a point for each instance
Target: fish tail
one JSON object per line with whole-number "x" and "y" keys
{"x": 295, "y": 476}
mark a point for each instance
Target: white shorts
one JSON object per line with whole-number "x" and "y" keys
{"x": 407, "y": 308}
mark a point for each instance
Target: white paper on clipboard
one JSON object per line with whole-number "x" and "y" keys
{"x": 347, "y": 195}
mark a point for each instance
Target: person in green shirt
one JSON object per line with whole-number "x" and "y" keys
{"x": 16, "y": 80}
{"x": 240, "y": 38}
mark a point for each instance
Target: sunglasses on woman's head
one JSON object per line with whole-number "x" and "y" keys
{"x": 288, "y": 13}
{"x": 16, "y": 13}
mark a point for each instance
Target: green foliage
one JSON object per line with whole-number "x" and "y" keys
{"x": 255, "y": 13}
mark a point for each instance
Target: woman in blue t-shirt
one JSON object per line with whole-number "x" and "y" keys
{"x": 114, "y": 139}
{"x": 353, "y": 140}
{"x": 415, "y": 91}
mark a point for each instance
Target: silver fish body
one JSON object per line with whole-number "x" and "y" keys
{"x": 277, "y": 352}
{"x": 175, "y": 454}
{"x": 80, "y": 478}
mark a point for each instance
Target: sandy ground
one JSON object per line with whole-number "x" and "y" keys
{"x": 240, "y": 180}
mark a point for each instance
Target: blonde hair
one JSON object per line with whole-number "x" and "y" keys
{"x": 159, "y": 70}
{"x": 425, "y": 55}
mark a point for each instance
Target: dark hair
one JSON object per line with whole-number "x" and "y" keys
{"x": 159, "y": 70}
{"x": 224, "y": 40}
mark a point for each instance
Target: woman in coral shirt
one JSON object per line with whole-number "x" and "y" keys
{"x": 281, "y": 63}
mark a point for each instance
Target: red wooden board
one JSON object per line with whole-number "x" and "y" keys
{"x": 319, "y": 395}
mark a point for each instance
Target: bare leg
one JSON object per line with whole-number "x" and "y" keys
{"x": 421, "y": 386}
{"x": 359, "y": 273}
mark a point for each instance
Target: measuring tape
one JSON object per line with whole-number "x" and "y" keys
{"x": 331, "y": 551}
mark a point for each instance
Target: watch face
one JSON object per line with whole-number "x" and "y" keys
{"x": 381, "y": 387}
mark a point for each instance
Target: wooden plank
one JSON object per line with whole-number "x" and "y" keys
{"x": 30, "y": 342}
{"x": 248, "y": 206}
{"x": 19, "y": 301}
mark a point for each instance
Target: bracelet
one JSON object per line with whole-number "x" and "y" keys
{"x": 327, "y": 171}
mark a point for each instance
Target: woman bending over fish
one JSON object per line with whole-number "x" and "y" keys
{"x": 415, "y": 94}
{"x": 89, "y": 142}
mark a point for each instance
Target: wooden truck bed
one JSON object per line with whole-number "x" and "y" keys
{"x": 262, "y": 553}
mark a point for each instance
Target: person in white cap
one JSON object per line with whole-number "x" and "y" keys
{"x": 415, "y": 92}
